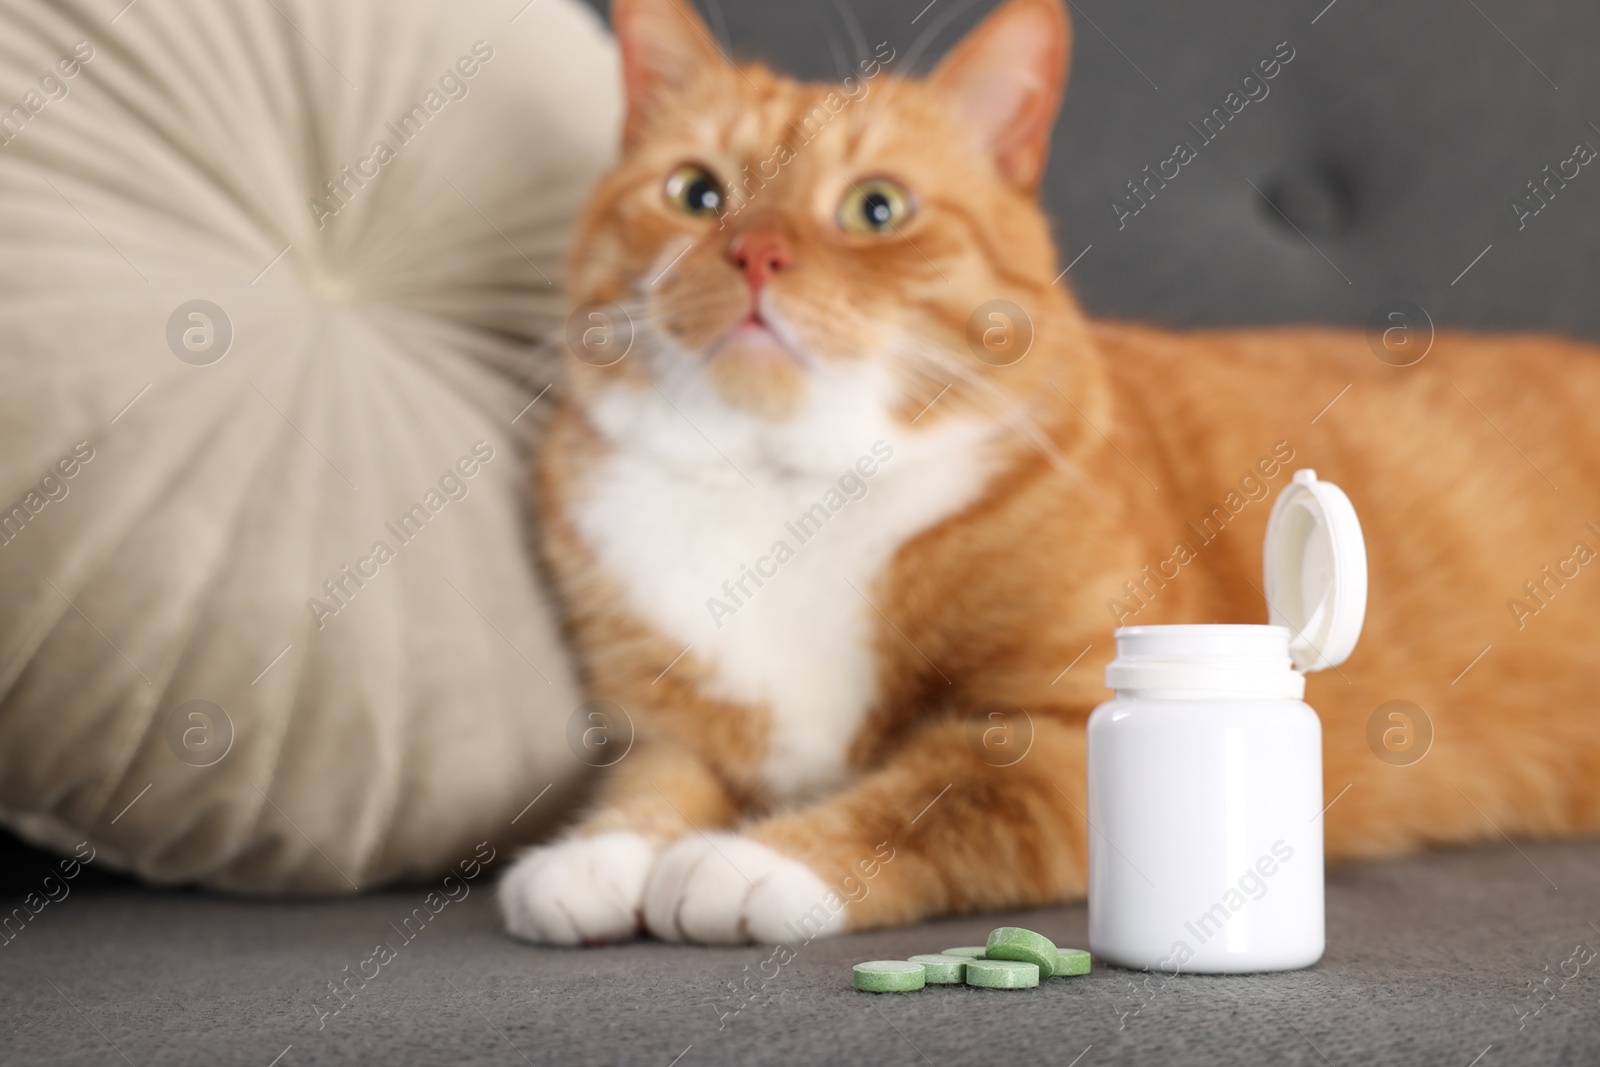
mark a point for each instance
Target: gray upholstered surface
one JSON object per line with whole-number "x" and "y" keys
{"x": 1429, "y": 962}
{"x": 1395, "y": 141}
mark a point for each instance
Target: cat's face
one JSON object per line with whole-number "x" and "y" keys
{"x": 788, "y": 254}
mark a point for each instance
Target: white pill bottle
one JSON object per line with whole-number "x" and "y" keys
{"x": 1205, "y": 771}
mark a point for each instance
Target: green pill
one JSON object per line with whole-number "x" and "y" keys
{"x": 943, "y": 970}
{"x": 1002, "y": 974}
{"x": 1069, "y": 962}
{"x": 972, "y": 951}
{"x": 889, "y": 976}
{"x": 1015, "y": 943}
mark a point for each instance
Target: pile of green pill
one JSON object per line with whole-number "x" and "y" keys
{"x": 1014, "y": 958}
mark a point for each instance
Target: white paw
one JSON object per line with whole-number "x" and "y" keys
{"x": 727, "y": 889}
{"x": 581, "y": 891}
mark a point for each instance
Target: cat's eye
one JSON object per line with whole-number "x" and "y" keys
{"x": 874, "y": 206}
{"x": 694, "y": 190}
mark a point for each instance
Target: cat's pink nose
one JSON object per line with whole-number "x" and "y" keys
{"x": 759, "y": 256}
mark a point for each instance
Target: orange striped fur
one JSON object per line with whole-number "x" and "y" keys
{"x": 1091, "y": 459}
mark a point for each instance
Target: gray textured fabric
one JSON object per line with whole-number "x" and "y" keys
{"x": 1429, "y": 962}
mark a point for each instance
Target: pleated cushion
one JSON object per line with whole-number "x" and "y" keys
{"x": 273, "y": 275}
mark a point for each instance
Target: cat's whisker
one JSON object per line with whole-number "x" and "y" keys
{"x": 841, "y": 65}
{"x": 939, "y": 23}
{"x": 906, "y": 67}
{"x": 1002, "y": 405}
{"x": 852, "y": 26}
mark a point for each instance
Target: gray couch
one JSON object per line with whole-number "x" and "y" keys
{"x": 1382, "y": 165}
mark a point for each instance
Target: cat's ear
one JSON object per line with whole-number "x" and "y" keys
{"x": 1005, "y": 79}
{"x": 665, "y": 45}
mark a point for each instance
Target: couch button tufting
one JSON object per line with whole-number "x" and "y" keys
{"x": 1317, "y": 199}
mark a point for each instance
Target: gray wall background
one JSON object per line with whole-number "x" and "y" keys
{"x": 1394, "y": 141}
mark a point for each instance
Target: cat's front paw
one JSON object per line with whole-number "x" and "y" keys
{"x": 583, "y": 891}
{"x": 728, "y": 889}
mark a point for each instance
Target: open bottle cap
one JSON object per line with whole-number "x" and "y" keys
{"x": 1315, "y": 566}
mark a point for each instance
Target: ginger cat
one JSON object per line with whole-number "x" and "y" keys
{"x": 806, "y": 536}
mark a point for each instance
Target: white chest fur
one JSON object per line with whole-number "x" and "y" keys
{"x": 765, "y": 573}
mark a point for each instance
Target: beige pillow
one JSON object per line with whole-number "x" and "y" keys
{"x": 270, "y": 274}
